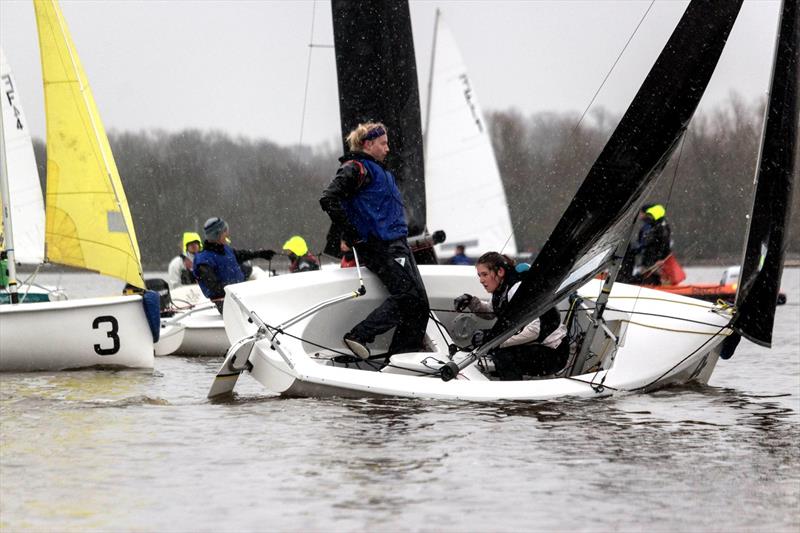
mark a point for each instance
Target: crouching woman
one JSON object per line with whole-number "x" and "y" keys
{"x": 540, "y": 348}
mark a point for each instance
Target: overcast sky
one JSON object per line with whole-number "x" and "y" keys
{"x": 239, "y": 66}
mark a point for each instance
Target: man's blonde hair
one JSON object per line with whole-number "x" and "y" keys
{"x": 356, "y": 138}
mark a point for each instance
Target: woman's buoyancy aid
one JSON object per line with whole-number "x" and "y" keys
{"x": 549, "y": 321}
{"x": 376, "y": 210}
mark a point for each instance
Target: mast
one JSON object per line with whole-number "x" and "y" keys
{"x": 767, "y": 235}
{"x": 427, "y": 129}
{"x": 7, "y": 229}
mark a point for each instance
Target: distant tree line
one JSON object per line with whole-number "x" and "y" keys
{"x": 707, "y": 186}
{"x": 267, "y": 192}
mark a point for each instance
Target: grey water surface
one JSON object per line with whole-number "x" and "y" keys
{"x": 139, "y": 451}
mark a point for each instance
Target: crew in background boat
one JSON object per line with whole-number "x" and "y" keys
{"x": 366, "y": 209}
{"x": 179, "y": 271}
{"x": 650, "y": 260}
{"x": 539, "y": 349}
{"x": 460, "y": 257}
{"x": 302, "y": 260}
{"x": 219, "y": 265}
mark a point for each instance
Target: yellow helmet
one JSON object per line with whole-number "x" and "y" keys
{"x": 190, "y": 237}
{"x": 297, "y": 245}
{"x": 657, "y": 212}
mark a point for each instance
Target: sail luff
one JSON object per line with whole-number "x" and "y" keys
{"x": 430, "y": 86}
{"x": 767, "y": 236}
{"x": 377, "y": 77}
{"x": 584, "y": 240}
{"x": 88, "y": 221}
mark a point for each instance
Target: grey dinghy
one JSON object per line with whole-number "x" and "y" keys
{"x": 284, "y": 330}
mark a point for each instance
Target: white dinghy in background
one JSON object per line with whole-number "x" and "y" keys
{"x": 88, "y": 225}
{"x": 195, "y": 326}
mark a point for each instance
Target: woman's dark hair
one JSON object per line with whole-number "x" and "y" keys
{"x": 495, "y": 260}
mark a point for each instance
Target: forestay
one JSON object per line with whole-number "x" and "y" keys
{"x": 25, "y": 190}
{"x": 464, "y": 191}
{"x": 767, "y": 238}
{"x": 81, "y": 170}
{"x": 602, "y": 212}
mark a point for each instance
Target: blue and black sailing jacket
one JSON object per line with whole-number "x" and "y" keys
{"x": 364, "y": 202}
{"x": 225, "y": 266}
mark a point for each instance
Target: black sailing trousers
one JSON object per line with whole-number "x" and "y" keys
{"x": 406, "y": 309}
{"x": 529, "y": 359}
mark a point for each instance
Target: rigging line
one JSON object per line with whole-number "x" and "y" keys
{"x": 507, "y": 241}
{"x": 658, "y": 315}
{"x": 308, "y": 72}
{"x": 590, "y": 383}
{"x": 612, "y": 67}
{"x": 673, "y": 330}
{"x": 377, "y": 368}
{"x": 591, "y": 298}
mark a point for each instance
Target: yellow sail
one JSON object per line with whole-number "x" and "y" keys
{"x": 88, "y": 222}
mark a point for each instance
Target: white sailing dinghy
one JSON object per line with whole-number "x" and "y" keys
{"x": 285, "y": 331}
{"x": 463, "y": 189}
{"x": 196, "y": 327}
{"x": 88, "y": 225}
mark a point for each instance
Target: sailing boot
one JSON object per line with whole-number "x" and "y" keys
{"x": 357, "y": 346}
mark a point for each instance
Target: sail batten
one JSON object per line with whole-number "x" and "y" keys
{"x": 83, "y": 183}
{"x": 767, "y": 236}
{"x": 602, "y": 212}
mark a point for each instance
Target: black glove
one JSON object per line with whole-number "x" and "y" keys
{"x": 462, "y": 302}
{"x": 351, "y": 238}
{"x": 477, "y": 338}
{"x": 266, "y": 254}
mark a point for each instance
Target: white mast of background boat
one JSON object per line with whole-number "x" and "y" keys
{"x": 463, "y": 188}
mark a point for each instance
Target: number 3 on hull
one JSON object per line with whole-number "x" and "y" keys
{"x": 88, "y": 225}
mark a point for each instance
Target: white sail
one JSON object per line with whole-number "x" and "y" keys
{"x": 25, "y": 190}
{"x": 463, "y": 189}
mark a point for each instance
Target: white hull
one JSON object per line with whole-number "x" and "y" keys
{"x": 203, "y": 335}
{"x": 668, "y": 340}
{"x": 201, "y": 330}
{"x": 93, "y": 332}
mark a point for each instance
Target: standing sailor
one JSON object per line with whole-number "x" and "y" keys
{"x": 366, "y": 209}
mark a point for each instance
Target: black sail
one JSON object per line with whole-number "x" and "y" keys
{"x": 767, "y": 237}
{"x": 602, "y": 212}
{"x": 377, "y": 74}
